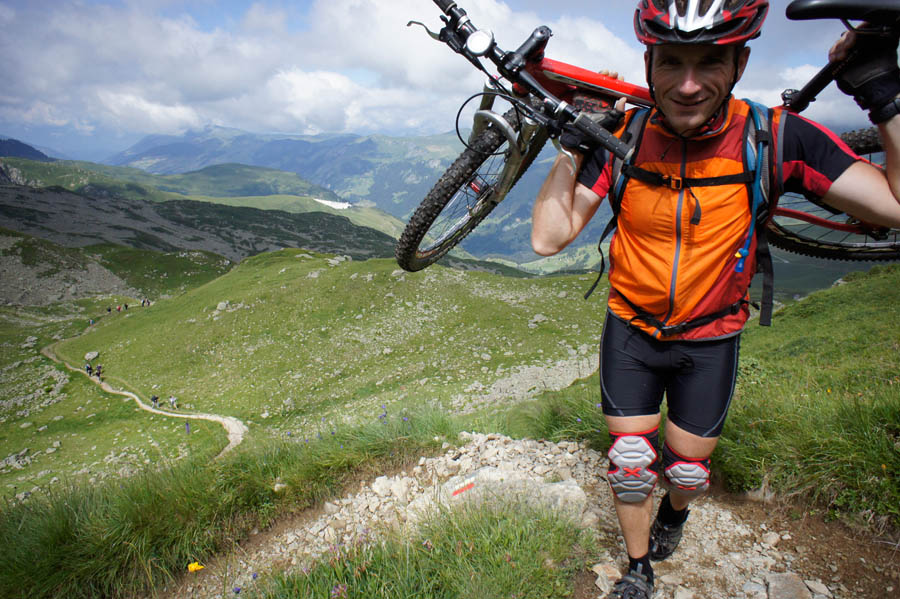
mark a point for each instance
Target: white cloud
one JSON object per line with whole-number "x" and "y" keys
{"x": 147, "y": 115}
{"x": 346, "y": 65}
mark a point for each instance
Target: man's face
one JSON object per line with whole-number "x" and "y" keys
{"x": 692, "y": 81}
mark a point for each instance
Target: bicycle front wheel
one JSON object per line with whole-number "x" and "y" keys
{"x": 464, "y": 195}
{"x": 815, "y": 229}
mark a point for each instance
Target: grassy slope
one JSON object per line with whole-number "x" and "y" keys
{"x": 362, "y": 216}
{"x": 160, "y": 274}
{"x": 817, "y": 409}
{"x": 222, "y": 180}
{"x": 231, "y": 184}
{"x": 302, "y": 340}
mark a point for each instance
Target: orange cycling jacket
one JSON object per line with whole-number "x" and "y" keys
{"x": 674, "y": 252}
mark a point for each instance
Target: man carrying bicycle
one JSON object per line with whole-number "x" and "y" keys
{"x": 677, "y": 302}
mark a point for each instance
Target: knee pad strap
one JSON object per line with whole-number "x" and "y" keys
{"x": 686, "y": 476}
{"x": 633, "y": 465}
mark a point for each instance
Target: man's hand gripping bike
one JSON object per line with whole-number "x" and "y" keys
{"x": 546, "y": 94}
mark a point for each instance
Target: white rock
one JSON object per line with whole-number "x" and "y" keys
{"x": 818, "y": 588}
{"x": 382, "y": 486}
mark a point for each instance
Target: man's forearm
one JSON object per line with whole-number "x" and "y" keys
{"x": 890, "y": 141}
{"x": 552, "y": 214}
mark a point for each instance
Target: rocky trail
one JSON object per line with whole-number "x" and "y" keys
{"x": 733, "y": 547}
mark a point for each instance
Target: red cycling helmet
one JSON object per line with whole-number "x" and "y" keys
{"x": 699, "y": 21}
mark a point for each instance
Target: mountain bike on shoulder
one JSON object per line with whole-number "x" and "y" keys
{"x": 547, "y": 95}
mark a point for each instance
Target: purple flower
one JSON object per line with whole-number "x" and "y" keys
{"x": 578, "y": 419}
{"x": 405, "y": 419}
{"x": 237, "y": 590}
{"x": 339, "y": 590}
{"x": 254, "y": 575}
{"x": 187, "y": 427}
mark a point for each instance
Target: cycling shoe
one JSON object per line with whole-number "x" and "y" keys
{"x": 632, "y": 586}
{"x": 664, "y": 538}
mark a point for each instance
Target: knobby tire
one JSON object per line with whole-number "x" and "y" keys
{"x": 809, "y": 239}
{"x": 415, "y": 250}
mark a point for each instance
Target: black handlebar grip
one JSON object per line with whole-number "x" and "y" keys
{"x": 445, "y": 5}
{"x": 587, "y": 125}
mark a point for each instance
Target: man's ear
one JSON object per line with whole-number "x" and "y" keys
{"x": 648, "y": 60}
{"x": 742, "y": 58}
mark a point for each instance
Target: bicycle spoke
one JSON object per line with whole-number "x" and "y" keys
{"x": 468, "y": 201}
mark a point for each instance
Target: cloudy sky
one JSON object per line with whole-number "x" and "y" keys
{"x": 90, "y": 77}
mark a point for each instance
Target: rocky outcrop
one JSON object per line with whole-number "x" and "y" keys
{"x": 719, "y": 558}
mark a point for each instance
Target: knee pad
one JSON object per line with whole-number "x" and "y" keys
{"x": 633, "y": 465}
{"x": 686, "y": 476}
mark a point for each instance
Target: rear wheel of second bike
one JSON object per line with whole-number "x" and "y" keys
{"x": 462, "y": 198}
{"x": 814, "y": 229}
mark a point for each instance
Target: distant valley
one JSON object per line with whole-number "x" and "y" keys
{"x": 375, "y": 182}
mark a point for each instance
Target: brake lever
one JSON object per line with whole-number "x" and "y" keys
{"x": 436, "y": 37}
{"x": 559, "y": 148}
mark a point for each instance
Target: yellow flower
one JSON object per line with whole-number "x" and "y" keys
{"x": 194, "y": 567}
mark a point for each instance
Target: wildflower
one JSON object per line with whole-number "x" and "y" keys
{"x": 578, "y": 419}
{"x": 339, "y": 590}
{"x": 195, "y": 567}
{"x": 254, "y": 576}
{"x": 237, "y": 590}
{"x": 187, "y": 427}
{"x": 405, "y": 419}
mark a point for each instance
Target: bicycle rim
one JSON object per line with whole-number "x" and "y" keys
{"x": 803, "y": 227}
{"x": 471, "y": 202}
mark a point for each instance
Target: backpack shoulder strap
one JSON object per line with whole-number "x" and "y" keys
{"x": 758, "y": 157}
{"x": 617, "y": 181}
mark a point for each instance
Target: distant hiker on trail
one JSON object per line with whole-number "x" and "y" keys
{"x": 88, "y": 369}
{"x": 109, "y": 309}
{"x": 99, "y": 371}
{"x": 118, "y": 308}
{"x": 173, "y": 402}
{"x": 126, "y": 306}
{"x": 154, "y": 399}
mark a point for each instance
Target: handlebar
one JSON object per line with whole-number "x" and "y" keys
{"x": 458, "y": 27}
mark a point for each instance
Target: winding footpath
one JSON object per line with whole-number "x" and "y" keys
{"x": 234, "y": 428}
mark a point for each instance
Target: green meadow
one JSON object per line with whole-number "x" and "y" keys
{"x": 309, "y": 350}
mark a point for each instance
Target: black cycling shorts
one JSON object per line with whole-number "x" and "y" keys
{"x": 697, "y": 377}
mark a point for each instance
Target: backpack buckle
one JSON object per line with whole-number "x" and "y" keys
{"x": 673, "y": 182}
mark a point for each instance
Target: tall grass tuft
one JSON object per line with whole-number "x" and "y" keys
{"x": 491, "y": 550}
{"x": 119, "y": 538}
